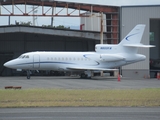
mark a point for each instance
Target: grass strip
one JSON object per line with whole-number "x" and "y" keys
{"x": 63, "y": 97}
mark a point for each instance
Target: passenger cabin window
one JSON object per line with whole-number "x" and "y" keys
{"x": 62, "y": 58}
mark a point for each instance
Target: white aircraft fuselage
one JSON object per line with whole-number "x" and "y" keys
{"x": 65, "y": 61}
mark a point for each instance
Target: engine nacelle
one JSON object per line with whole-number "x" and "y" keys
{"x": 111, "y": 57}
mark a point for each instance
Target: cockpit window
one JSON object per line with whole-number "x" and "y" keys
{"x": 23, "y": 56}
{"x": 27, "y": 56}
{"x": 20, "y": 57}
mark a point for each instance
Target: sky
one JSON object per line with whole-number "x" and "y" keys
{"x": 68, "y": 21}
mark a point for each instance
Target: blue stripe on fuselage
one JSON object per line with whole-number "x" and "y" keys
{"x": 43, "y": 62}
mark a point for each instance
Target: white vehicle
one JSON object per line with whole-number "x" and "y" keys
{"x": 105, "y": 58}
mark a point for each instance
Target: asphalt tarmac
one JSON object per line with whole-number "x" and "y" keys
{"x": 80, "y": 113}
{"x": 77, "y": 83}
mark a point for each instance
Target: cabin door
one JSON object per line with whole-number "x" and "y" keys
{"x": 36, "y": 60}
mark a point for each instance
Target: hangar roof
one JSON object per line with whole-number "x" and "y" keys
{"x": 50, "y": 31}
{"x": 56, "y": 3}
{"x": 77, "y": 10}
{"x": 141, "y": 6}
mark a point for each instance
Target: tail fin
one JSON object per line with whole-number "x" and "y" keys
{"x": 135, "y": 36}
{"x": 131, "y": 42}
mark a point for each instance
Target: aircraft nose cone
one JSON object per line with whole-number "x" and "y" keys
{"x": 6, "y": 64}
{"x": 9, "y": 64}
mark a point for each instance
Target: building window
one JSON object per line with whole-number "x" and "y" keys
{"x": 151, "y": 36}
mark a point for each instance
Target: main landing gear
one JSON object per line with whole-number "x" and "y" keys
{"x": 86, "y": 75}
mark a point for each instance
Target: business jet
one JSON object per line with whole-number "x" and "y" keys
{"x": 106, "y": 57}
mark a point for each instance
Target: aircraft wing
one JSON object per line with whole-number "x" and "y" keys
{"x": 91, "y": 68}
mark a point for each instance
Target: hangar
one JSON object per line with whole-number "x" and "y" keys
{"x": 119, "y": 21}
{"x": 150, "y": 16}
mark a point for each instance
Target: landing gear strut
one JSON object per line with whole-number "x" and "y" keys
{"x": 28, "y": 74}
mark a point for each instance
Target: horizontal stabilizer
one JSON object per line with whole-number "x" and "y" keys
{"x": 87, "y": 68}
{"x": 138, "y": 45}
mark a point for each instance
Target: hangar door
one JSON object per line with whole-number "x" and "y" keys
{"x": 36, "y": 60}
{"x": 154, "y": 52}
{"x": 4, "y": 57}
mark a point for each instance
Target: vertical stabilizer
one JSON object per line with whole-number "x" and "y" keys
{"x": 129, "y": 45}
{"x": 132, "y": 41}
{"x": 135, "y": 36}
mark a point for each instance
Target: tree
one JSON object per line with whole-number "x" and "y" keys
{"x": 26, "y": 23}
{"x": 58, "y": 27}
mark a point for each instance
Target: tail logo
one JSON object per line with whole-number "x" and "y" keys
{"x": 130, "y": 36}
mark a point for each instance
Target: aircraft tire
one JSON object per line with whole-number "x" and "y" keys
{"x": 28, "y": 76}
{"x": 84, "y": 76}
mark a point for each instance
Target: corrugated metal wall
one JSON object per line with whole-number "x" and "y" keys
{"x": 131, "y": 16}
{"x": 24, "y": 42}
